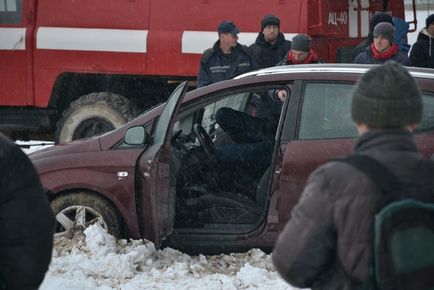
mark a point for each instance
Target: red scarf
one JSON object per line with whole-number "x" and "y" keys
{"x": 391, "y": 52}
{"x": 311, "y": 57}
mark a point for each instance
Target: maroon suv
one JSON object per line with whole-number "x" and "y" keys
{"x": 218, "y": 168}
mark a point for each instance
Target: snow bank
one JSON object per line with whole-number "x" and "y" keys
{"x": 95, "y": 260}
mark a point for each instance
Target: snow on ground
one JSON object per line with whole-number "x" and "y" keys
{"x": 34, "y": 145}
{"x": 96, "y": 260}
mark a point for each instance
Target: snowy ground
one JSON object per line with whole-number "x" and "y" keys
{"x": 95, "y": 260}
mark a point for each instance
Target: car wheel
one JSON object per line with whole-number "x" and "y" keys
{"x": 74, "y": 212}
{"x": 94, "y": 114}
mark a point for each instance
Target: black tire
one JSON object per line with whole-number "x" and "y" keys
{"x": 94, "y": 114}
{"x": 76, "y": 211}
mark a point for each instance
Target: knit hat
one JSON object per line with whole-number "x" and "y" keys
{"x": 429, "y": 20}
{"x": 227, "y": 26}
{"x": 384, "y": 29}
{"x": 387, "y": 97}
{"x": 270, "y": 19}
{"x": 379, "y": 17}
{"x": 301, "y": 42}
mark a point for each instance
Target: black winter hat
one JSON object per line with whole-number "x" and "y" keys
{"x": 387, "y": 97}
{"x": 270, "y": 19}
{"x": 429, "y": 20}
{"x": 384, "y": 29}
{"x": 378, "y": 17}
{"x": 301, "y": 42}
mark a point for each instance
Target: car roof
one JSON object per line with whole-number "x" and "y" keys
{"x": 330, "y": 68}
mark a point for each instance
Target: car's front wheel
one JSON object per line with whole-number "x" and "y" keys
{"x": 74, "y": 212}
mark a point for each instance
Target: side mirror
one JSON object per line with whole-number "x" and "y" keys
{"x": 136, "y": 136}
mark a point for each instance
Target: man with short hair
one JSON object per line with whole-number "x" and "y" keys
{"x": 270, "y": 46}
{"x": 226, "y": 59}
{"x": 301, "y": 52}
{"x": 383, "y": 47}
{"x": 422, "y": 52}
{"x": 327, "y": 241}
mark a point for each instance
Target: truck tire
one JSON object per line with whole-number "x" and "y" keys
{"x": 74, "y": 212}
{"x": 94, "y": 114}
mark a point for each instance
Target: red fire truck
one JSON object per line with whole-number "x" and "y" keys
{"x": 77, "y": 68}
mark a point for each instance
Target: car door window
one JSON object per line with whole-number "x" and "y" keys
{"x": 166, "y": 115}
{"x": 326, "y": 112}
{"x": 427, "y": 122}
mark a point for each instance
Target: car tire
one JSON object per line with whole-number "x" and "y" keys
{"x": 94, "y": 114}
{"x": 74, "y": 212}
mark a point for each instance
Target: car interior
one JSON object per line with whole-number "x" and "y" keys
{"x": 218, "y": 180}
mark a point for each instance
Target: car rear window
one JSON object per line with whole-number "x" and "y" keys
{"x": 326, "y": 112}
{"x": 427, "y": 122}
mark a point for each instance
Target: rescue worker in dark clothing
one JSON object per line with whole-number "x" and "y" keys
{"x": 382, "y": 48}
{"x": 226, "y": 59}
{"x": 301, "y": 52}
{"x": 26, "y": 221}
{"x": 270, "y": 46}
{"x": 376, "y": 18}
{"x": 422, "y": 52}
{"x": 327, "y": 242}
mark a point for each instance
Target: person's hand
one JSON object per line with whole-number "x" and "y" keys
{"x": 281, "y": 94}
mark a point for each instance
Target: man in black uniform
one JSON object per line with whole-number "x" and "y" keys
{"x": 226, "y": 59}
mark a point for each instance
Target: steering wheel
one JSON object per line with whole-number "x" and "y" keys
{"x": 205, "y": 141}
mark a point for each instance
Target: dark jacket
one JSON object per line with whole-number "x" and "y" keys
{"x": 327, "y": 242}
{"x": 268, "y": 55}
{"x": 422, "y": 52}
{"x": 215, "y": 66}
{"x": 26, "y": 221}
{"x": 366, "y": 58}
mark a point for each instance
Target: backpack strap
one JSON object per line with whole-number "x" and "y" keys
{"x": 375, "y": 170}
{"x": 385, "y": 181}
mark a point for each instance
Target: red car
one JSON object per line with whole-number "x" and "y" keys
{"x": 181, "y": 175}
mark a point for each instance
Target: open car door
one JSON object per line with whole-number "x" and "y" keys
{"x": 157, "y": 194}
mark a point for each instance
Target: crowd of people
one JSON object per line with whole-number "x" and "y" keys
{"x": 228, "y": 58}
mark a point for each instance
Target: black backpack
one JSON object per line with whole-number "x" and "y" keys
{"x": 403, "y": 243}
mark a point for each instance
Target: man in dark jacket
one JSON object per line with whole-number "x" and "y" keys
{"x": 26, "y": 221}
{"x": 383, "y": 47}
{"x": 422, "y": 52}
{"x": 270, "y": 46}
{"x": 301, "y": 52}
{"x": 327, "y": 242}
{"x": 226, "y": 59}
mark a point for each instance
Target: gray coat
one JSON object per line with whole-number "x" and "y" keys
{"x": 327, "y": 241}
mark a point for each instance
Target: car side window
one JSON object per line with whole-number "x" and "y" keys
{"x": 237, "y": 102}
{"x": 427, "y": 122}
{"x": 11, "y": 11}
{"x": 326, "y": 112}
